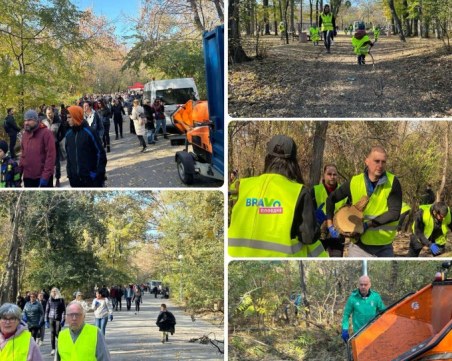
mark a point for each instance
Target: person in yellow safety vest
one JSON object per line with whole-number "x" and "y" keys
{"x": 327, "y": 24}
{"x": 383, "y": 209}
{"x": 361, "y": 43}
{"x": 16, "y": 342}
{"x": 319, "y": 193}
{"x": 274, "y": 214}
{"x": 403, "y": 215}
{"x": 314, "y": 34}
{"x": 233, "y": 182}
{"x": 282, "y": 30}
{"x": 81, "y": 341}
{"x": 430, "y": 228}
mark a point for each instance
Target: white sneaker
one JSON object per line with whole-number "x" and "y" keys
{"x": 52, "y": 352}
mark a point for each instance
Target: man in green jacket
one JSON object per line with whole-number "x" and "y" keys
{"x": 363, "y": 304}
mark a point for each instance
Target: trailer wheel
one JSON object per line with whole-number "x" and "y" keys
{"x": 185, "y": 177}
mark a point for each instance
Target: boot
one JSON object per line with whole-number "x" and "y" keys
{"x": 117, "y": 137}
{"x": 57, "y": 183}
{"x": 108, "y": 149}
{"x": 166, "y": 337}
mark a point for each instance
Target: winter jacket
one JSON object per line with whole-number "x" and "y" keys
{"x": 138, "y": 120}
{"x": 34, "y": 314}
{"x": 95, "y": 122}
{"x": 149, "y": 116}
{"x": 10, "y": 125}
{"x": 105, "y": 115}
{"x": 166, "y": 321}
{"x": 10, "y": 173}
{"x": 118, "y": 112}
{"x": 56, "y": 309}
{"x": 86, "y": 159}
{"x": 33, "y": 350}
{"x": 102, "y": 308}
{"x": 38, "y": 154}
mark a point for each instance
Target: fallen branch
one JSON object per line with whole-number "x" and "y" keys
{"x": 204, "y": 340}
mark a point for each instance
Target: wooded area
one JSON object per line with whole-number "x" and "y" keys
{"x": 254, "y": 19}
{"x": 291, "y": 77}
{"x": 52, "y": 52}
{"x": 75, "y": 241}
{"x": 262, "y": 321}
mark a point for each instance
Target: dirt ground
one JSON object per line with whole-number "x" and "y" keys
{"x": 411, "y": 79}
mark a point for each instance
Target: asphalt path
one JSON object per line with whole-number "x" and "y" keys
{"x": 135, "y": 337}
{"x": 128, "y": 167}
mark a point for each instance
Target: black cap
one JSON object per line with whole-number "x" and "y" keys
{"x": 282, "y": 146}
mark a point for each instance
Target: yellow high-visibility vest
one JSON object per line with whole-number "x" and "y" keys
{"x": 327, "y": 21}
{"x": 429, "y": 224}
{"x": 321, "y": 195}
{"x": 262, "y": 218}
{"x": 16, "y": 348}
{"x": 378, "y": 204}
{"x": 84, "y": 348}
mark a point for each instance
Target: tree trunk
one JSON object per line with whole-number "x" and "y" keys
{"x": 439, "y": 196}
{"x": 317, "y": 152}
{"x": 292, "y": 16}
{"x": 304, "y": 293}
{"x": 396, "y": 19}
{"x": 406, "y": 18}
{"x": 219, "y": 6}
{"x": 394, "y": 275}
{"x": 266, "y": 19}
{"x": 310, "y": 12}
{"x": 196, "y": 18}
{"x": 275, "y": 19}
{"x": 9, "y": 284}
{"x": 236, "y": 52}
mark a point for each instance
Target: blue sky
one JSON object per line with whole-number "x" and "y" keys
{"x": 114, "y": 10}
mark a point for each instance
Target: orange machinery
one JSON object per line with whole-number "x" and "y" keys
{"x": 418, "y": 327}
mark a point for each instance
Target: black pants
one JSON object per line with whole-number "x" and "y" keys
{"x": 106, "y": 137}
{"x": 118, "y": 302}
{"x": 129, "y": 303}
{"x": 132, "y": 127}
{"x": 34, "y": 183}
{"x": 55, "y": 328}
{"x": 334, "y": 246}
{"x": 137, "y": 305}
{"x": 118, "y": 127}
{"x": 57, "y": 161}
{"x": 34, "y": 331}
{"x": 328, "y": 38}
{"x": 12, "y": 144}
{"x": 85, "y": 182}
{"x": 142, "y": 141}
{"x": 416, "y": 247}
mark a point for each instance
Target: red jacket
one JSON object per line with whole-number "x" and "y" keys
{"x": 38, "y": 153}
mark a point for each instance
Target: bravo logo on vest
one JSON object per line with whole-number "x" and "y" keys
{"x": 265, "y": 205}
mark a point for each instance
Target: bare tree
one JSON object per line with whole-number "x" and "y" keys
{"x": 317, "y": 152}
{"x": 446, "y": 161}
{"x": 10, "y": 279}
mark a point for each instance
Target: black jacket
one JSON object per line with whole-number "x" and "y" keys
{"x": 11, "y": 126}
{"x": 86, "y": 158}
{"x": 118, "y": 112}
{"x": 56, "y": 309}
{"x": 166, "y": 321}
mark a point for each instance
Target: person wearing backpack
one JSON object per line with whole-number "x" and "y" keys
{"x": 11, "y": 129}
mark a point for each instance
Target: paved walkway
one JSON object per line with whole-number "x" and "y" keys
{"x": 133, "y": 337}
{"x": 128, "y": 167}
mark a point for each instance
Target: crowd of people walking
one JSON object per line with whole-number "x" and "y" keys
{"x": 79, "y": 134}
{"x": 23, "y": 325}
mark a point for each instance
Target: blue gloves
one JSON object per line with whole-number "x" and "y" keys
{"x": 47, "y": 324}
{"x": 93, "y": 175}
{"x": 111, "y": 317}
{"x": 43, "y": 182}
{"x": 333, "y": 232}
{"x": 434, "y": 248}
{"x": 62, "y": 323}
{"x": 24, "y": 318}
{"x": 345, "y": 336}
{"x": 319, "y": 215}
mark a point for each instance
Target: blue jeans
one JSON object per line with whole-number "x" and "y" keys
{"x": 161, "y": 124}
{"x": 101, "y": 323}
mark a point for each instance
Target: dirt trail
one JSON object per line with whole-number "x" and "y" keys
{"x": 410, "y": 79}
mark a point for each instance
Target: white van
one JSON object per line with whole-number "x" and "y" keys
{"x": 173, "y": 92}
